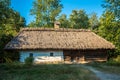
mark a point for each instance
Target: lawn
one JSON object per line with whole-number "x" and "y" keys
{"x": 45, "y": 72}
{"x": 107, "y": 67}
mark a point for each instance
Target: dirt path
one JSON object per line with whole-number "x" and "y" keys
{"x": 103, "y": 75}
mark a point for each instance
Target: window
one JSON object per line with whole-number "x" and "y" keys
{"x": 51, "y": 54}
{"x": 31, "y": 55}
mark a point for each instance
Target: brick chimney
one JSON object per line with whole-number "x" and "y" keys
{"x": 56, "y": 24}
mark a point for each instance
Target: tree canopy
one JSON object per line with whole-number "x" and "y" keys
{"x": 10, "y": 23}
{"x": 46, "y": 11}
{"x": 110, "y": 23}
{"x": 113, "y": 6}
{"x": 9, "y": 18}
{"x": 79, "y": 19}
{"x": 64, "y": 21}
{"x": 93, "y": 21}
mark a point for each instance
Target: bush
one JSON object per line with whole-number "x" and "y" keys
{"x": 114, "y": 62}
{"x": 117, "y": 59}
{"x": 29, "y": 61}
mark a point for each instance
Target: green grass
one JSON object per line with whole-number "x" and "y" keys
{"x": 45, "y": 72}
{"x": 109, "y": 67}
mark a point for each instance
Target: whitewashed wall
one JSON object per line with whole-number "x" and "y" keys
{"x": 42, "y": 56}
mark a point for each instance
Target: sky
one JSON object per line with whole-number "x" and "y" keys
{"x": 24, "y": 6}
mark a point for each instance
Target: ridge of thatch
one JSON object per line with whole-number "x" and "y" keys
{"x": 50, "y": 38}
{"x": 53, "y": 29}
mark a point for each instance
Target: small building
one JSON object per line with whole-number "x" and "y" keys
{"x": 68, "y": 45}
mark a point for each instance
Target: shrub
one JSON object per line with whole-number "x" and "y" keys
{"x": 117, "y": 59}
{"x": 29, "y": 61}
{"x": 114, "y": 62}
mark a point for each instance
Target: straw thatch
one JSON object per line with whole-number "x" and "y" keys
{"x": 41, "y": 38}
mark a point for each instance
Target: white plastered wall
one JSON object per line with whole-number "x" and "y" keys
{"x": 42, "y": 56}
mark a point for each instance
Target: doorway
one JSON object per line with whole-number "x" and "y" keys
{"x": 73, "y": 55}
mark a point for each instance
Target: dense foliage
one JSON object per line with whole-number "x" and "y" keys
{"x": 93, "y": 21}
{"x": 79, "y": 19}
{"x": 29, "y": 61}
{"x": 65, "y": 23}
{"x": 45, "y": 12}
{"x": 10, "y": 24}
{"x": 110, "y": 23}
{"x": 113, "y": 6}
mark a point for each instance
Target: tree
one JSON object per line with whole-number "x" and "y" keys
{"x": 113, "y": 6}
{"x": 32, "y": 24}
{"x": 93, "y": 21}
{"x": 109, "y": 29}
{"x": 64, "y": 21}
{"x": 4, "y": 6}
{"x": 10, "y": 24}
{"x": 107, "y": 21}
{"x": 110, "y": 22}
{"x": 9, "y": 18}
{"x": 46, "y": 11}
{"x": 15, "y": 20}
{"x": 79, "y": 19}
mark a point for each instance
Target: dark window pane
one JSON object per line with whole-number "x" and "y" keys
{"x": 51, "y": 54}
{"x": 31, "y": 55}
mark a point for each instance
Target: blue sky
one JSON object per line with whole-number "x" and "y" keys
{"x": 24, "y": 6}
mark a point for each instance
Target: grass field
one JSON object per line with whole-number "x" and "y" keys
{"x": 107, "y": 67}
{"x": 45, "y": 72}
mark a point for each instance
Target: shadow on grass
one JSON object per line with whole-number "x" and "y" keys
{"x": 45, "y": 72}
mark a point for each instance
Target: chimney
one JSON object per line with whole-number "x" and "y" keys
{"x": 56, "y": 24}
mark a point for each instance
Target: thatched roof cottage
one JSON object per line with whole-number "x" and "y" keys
{"x": 72, "y": 45}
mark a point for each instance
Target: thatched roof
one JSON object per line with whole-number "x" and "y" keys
{"x": 44, "y": 38}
